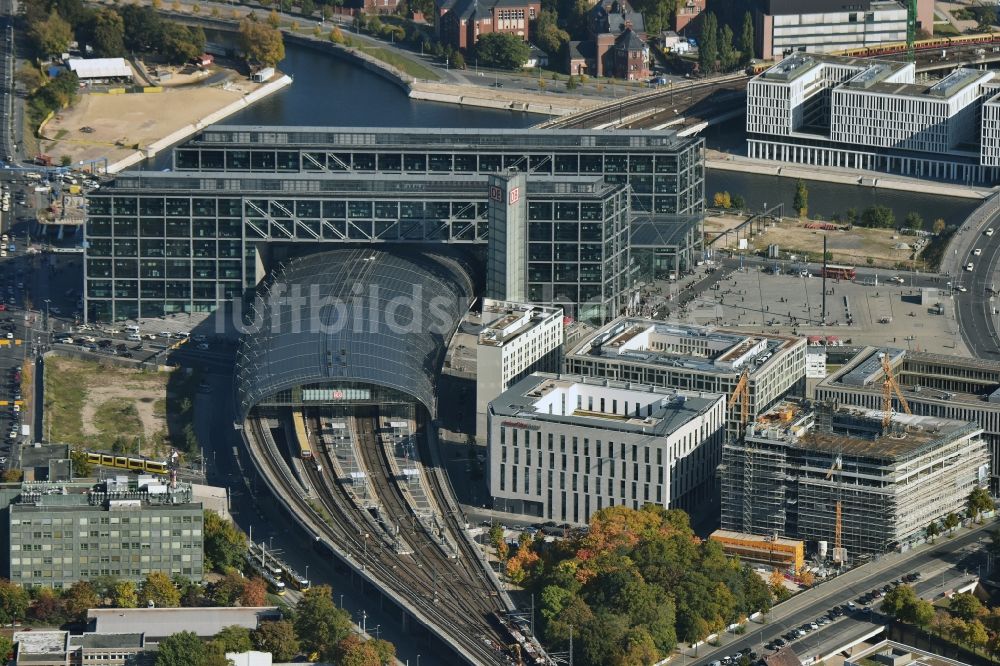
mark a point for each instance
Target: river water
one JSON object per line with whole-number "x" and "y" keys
{"x": 329, "y": 91}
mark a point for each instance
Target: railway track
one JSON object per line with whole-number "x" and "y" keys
{"x": 390, "y": 577}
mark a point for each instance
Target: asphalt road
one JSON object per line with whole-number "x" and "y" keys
{"x": 976, "y": 320}
{"x": 813, "y": 603}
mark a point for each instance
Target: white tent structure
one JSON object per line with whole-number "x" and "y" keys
{"x": 100, "y": 68}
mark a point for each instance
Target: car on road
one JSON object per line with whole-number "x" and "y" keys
{"x": 961, "y": 289}
{"x": 978, "y": 251}
{"x": 970, "y": 266}
{"x": 989, "y": 232}
{"x": 203, "y": 346}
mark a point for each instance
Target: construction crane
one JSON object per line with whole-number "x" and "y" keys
{"x": 890, "y": 387}
{"x": 742, "y": 393}
{"x": 911, "y": 29}
{"x": 837, "y": 466}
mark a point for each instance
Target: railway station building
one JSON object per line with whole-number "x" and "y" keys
{"x": 939, "y": 385}
{"x": 562, "y": 447}
{"x": 61, "y": 533}
{"x": 694, "y": 358}
{"x": 798, "y": 462}
{"x": 868, "y": 114}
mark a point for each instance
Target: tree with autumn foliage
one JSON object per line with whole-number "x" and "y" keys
{"x": 254, "y": 592}
{"x": 634, "y": 585}
{"x": 521, "y": 562}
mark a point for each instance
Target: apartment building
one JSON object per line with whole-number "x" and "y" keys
{"x": 561, "y": 447}
{"x": 516, "y": 339}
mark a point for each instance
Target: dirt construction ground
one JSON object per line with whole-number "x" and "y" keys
{"x": 122, "y": 124}
{"x": 852, "y": 247}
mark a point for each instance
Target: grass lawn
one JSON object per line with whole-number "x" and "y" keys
{"x": 945, "y": 30}
{"x": 411, "y": 67}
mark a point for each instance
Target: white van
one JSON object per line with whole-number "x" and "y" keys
{"x": 135, "y": 337}
{"x": 132, "y": 328}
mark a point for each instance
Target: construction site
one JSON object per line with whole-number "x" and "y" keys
{"x": 849, "y": 482}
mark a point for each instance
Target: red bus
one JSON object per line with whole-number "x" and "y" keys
{"x": 839, "y": 272}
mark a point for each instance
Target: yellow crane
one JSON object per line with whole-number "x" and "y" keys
{"x": 837, "y": 465}
{"x": 742, "y": 393}
{"x": 890, "y": 387}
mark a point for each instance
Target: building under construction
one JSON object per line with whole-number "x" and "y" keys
{"x": 849, "y": 479}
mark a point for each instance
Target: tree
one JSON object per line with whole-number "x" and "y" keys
{"x": 502, "y": 50}
{"x": 547, "y": 34}
{"x": 386, "y": 651}
{"x": 107, "y": 33}
{"x": 776, "y": 580}
{"x": 234, "y": 638}
{"x": 739, "y": 203}
{"x": 851, "y": 216}
{"x": 722, "y": 200}
{"x": 261, "y": 43}
{"x": 125, "y": 595}
{"x": 254, "y": 592}
{"x": 278, "y": 638}
{"x": 159, "y": 589}
{"x": 708, "y": 47}
{"x": 319, "y": 624}
{"x": 224, "y": 542}
{"x": 923, "y": 613}
{"x": 801, "y": 201}
{"x": 746, "y": 40}
{"x": 458, "y": 60}
{"x": 965, "y": 606}
{"x": 571, "y": 83}
{"x": 143, "y": 28}
{"x": 914, "y": 221}
{"x": 932, "y": 531}
{"x": 182, "y": 649}
{"x": 53, "y": 35}
{"x": 78, "y": 599}
{"x": 46, "y": 607}
{"x": 273, "y": 19}
{"x": 728, "y": 56}
{"x": 807, "y": 578}
{"x": 13, "y": 602}
{"x": 897, "y": 600}
{"x": 938, "y": 226}
{"x": 878, "y": 217}
{"x": 307, "y": 7}
{"x": 31, "y": 79}
{"x": 951, "y": 521}
{"x": 977, "y": 635}
{"x": 228, "y": 589}
{"x": 979, "y": 502}
{"x": 352, "y": 651}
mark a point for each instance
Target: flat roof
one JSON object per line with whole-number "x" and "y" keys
{"x": 41, "y": 642}
{"x": 100, "y": 68}
{"x": 669, "y": 409}
{"x": 109, "y": 641}
{"x": 504, "y": 321}
{"x": 160, "y": 622}
{"x": 437, "y": 137}
{"x": 743, "y": 536}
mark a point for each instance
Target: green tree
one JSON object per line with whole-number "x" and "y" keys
{"x": 951, "y": 521}
{"x": 181, "y": 43}
{"x": 914, "y": 221}
{"x": 228, "y": 589}
{"x": 801, "y": 201}
{"x": 965, "y": 606}
{"x": 547, "y": 34}
{"x": 728, "y": 56}
{"x": 78, "y": 599}
{"x": 81, "y": 468}
{"x": 502, "y": 50}
{"x": 224, "y": 542}
{"x": 318, "y": 622}
{"x": 125, "y": 595}
{"x": 979, "y": 502}
{"x": 143, "y": 28}
{"x": 923, "y": 613}
{"x": 458, "y": 60}
{"x": 746, "y": 40}
{"x": 234, "y": 638}
{"x": 897, "y": 599}
{"x": 708, "y": 46}
{"x": 107, "y": 33}
{"x": 13, "y": 602}
{"x": 932, "y": 531}
{"x": 53, "y": 35}
{"x": 738, "y": 202}
{"x": 182, "y": 649}
{"x": 160, "y": 590}
{"x": 278, "y": 638}
{"x": 261, "y": 43}
{"x": 307, "y": 7}
{"x": 878, "y": 217}
{"x": 976, "y": 635}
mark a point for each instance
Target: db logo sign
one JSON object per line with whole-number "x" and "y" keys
{"x": 338, "y": 395}
{"x": 515, "y": 196}
{"x": 496, "y": 193}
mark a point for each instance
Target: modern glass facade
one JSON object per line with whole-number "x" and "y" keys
{"x": 164, "y": 243}
{"x": 665, "y": 172}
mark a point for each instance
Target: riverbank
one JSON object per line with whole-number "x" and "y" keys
{"x": 123, "y": 130}
{"x": 874, "y": 179}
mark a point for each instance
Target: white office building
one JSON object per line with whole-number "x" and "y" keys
{"x": 989, "y": 132}
{"x": 562, "y": 446}
{"x": 516, "y": 339}
{"x": 872, "y": 115}
{"x": 694, "y": 358}
{"x": 825, "y": 26}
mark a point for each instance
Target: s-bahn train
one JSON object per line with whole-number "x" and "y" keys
{"x": 128, "y": 462}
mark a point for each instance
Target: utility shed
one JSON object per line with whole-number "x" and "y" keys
{"x": 100, "y": 68}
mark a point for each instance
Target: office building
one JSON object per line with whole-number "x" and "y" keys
{"x": 863, "y": 114}
{"x": 694, "y": 358}
{"x": 825, "y": 26}
{"x": 516, "y": 339}
{"x": 948, "y": 387}
{"x": 61, "y": 648}
{"x": 800, "y": 471}
{"x": 165, "y": 243}
{"x": 63, "y": 533}
{"x": 562, "y": 446}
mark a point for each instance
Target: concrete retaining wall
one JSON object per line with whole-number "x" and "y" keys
{"x": 189, "y": 130}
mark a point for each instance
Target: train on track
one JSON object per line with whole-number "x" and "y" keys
{"x": 301, "y": 436}
{"x": 256, "y": 560}
{"x": 128, "y": 462}
{"x": 991, "y": 39}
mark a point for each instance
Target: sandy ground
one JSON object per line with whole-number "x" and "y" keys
{"x": 143, "y": 393}
{"x": 123, "y": 123}
{"x": 791, "y": 235}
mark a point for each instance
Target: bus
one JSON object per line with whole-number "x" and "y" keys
{"x": 839, "y": 272}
